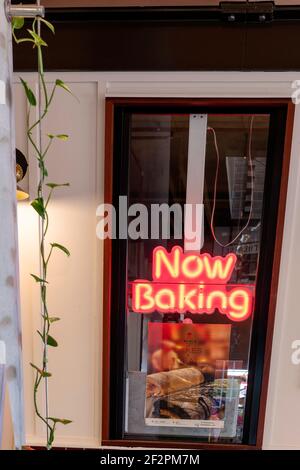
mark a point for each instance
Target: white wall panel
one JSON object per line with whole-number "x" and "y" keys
{"x": 283, "y": 410}
{"x": 75, "y": 283}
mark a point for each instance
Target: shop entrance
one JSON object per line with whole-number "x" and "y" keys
{"x": 189, "y": 319}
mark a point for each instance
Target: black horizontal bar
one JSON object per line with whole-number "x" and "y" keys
{"x": 134, "y": 14}
{"x": 158, "y": 14}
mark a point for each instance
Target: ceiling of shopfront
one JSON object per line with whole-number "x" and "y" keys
{"x": 193, "y": 35}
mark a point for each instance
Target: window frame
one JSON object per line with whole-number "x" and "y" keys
{"x": 114, "y": 251}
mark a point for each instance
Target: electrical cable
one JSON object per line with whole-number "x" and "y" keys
{"x": 211, "y": 129}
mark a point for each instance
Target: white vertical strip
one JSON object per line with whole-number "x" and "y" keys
{"x": 10, "y": 329}
{"x": 99, "y": 199}
{"x": 2, "y": 92}
{"x": 194, "y": 215}
{"x": 2, "y": 353}
{"x": 2, "y": 385}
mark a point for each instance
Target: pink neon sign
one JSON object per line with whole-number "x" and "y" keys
{"x": 185, "y": 282}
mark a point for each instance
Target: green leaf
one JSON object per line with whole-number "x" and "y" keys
{"x": 38, "y": 279}
{"x": 62, "y": 136}
{"x": 51, "y": 341}
{"x": 29, "y": 93}
{"x": 53, "y": 319}
{"x": 50, "y": 319}
{"x": 40, "y": 371}
{"x": 47, "y": 23}
{"x": 59, "y": 420}
{"x": 58, "y": 136}
{"x": 63, "y": 85}
{"x": 61, "y": 247}
{"x": 57, "y": 185}
{"x": 38, "y": 205}
{"x": 37, "y": 39}
{"x": 17, "y": 22}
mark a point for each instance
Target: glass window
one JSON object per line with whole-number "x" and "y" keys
{"x": 188, "y": 316}
{"x": 188, "y": 354}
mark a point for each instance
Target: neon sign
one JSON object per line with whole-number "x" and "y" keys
{"x": 185, "y": 282}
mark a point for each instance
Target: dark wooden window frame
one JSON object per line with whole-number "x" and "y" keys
{"x": 263, "y": 341}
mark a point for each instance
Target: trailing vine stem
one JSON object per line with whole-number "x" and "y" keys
{"x": 40, "y": 205}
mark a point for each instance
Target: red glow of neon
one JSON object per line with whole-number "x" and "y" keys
{"x": 187, "y": 267}
{"x": 184, "y": 282}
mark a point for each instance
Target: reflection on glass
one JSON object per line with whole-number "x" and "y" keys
{"x": 187, "y": 368}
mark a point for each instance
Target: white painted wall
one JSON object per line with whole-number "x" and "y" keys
{"x": 8, "y": 435}
{"x": 76, "y": 295}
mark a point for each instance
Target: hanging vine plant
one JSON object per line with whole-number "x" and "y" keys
{"x": 40, "y": 204}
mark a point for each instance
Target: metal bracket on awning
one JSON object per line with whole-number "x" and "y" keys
{"x": 24, "y": 11}
{"x": 247, "y": 12}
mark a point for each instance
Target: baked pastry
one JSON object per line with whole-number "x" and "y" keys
{"x": 165, "y": 383}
